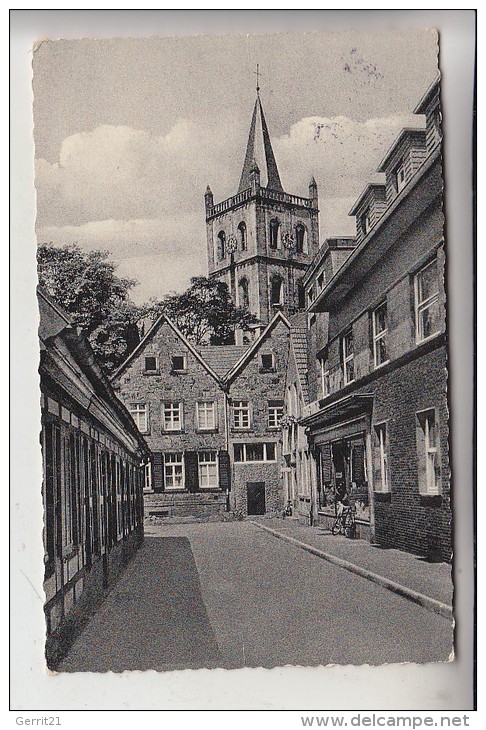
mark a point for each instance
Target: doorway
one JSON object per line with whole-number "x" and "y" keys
{"x": 255, "y": 498}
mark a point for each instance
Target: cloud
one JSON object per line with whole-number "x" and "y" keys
{"x": 140, "y": 195}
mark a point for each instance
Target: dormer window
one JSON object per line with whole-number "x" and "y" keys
{"x": 399, "y": 177}
{"x": 179, "y": 363}
{"x": 321, "y": 280}
{"x": 365, "y": 221}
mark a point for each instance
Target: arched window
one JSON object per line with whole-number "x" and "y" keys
{"x": 275, "y": 233}
{"x": 300, "y": 296}
{"x": 301, "y": 238}
{"x": 243, "y": 296}
{"x": 276, "y": 292}
{"x": 242, "y": 236}
{"x": 222, "y": 244}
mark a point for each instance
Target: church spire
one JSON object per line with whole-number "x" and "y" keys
{"x": 259, "y": 148}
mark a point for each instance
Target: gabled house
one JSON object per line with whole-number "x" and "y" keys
{"x": 211, "y": 417}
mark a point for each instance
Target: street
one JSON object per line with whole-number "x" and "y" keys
{"x": 231, "y": 595}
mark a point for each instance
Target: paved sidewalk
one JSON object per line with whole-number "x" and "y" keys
{"x": 417, "y": 574}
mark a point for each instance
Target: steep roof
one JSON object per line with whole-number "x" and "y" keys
{"x": 248, "y": 354}
{"x": 259, "y": 151}
{"x": 222, "y": 357}
{"x": 164, "y": 319}
{"x": 298, "y": 340}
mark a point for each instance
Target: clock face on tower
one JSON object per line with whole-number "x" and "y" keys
{"x": 232, "y": 244}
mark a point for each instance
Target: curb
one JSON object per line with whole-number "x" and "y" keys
{"x": 431, "y": 604}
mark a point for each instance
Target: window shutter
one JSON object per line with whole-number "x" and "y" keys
{"x": 224, "y": 471}
{"x": 191, "y": 471}
{"x": 358, "y": 464}
{"x": 158, "y": 471}
{"x": 326, "y": 463}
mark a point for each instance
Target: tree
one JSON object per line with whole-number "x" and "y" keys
{"x": 205, "y": 312}
{"x": 86, "y": 286}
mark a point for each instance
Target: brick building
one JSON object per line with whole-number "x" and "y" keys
{"x": 377, "y": 417}
{"x": 92, "y": 478}
{"x": 211, "y": 417}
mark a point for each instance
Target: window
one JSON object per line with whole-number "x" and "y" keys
{"x": 321, "y": 280}
{"x": 138, "y": 412}
{"x": 241, "y": 414}
{"x": 310, "y": 296}
{"x": 380, "y": 335}
{"x": 148, "y": 477}
{"x": 301, "y": 296}
{"x": 300, "y": 238}
{"x": 275, "y": 413}
{"x": 427, "y": 302}
{"x": 206, "y": 416}
{"x": 174, "y": 471}
{"x": 222, "y": 244}
{"x": 179, "y": 364}
{"x": 243, "y": 296}
{"x": 381, "y": 458}
{"x": 208, "y": 469}
{"x": 365, "y": 221}
{"x": 325, "y": 376}
{"x": 276, "y": 290}
{"x": 348, "y": 357}
{"x": 151, "y": 365}
{"x": 254, "y": 452}
{"x": 428, "y": 461}
{"x": 172, "y": 416}
{"x": 242, "y": 236}
{"x": 399, "y": 179}
{"x": 275, "y": 233}
{"x": 267, "y": 362}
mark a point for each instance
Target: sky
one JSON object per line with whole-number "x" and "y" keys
{"x": 129, "y": 132}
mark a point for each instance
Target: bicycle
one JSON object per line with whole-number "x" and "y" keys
{"x": 344, "y": 523}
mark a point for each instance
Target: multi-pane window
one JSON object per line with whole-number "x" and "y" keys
{"x": 172, "y": 416}
{"x": 148, "y": 476}
{"x": 275, "y": 413}
{"x": 427, "y": 302}
{"x": 208, "y": 469}
{"x": 138, "y": 412}
{"x": 174, "y": 470}
{"x": 428, "y": 461}
{"x": 380, "y": 335}
{"x": 206, "y": 415}
{"x": 325, "y": 376}
{"x": 151, "y": 364}
{"x": 348, "y": 357}
{"x": 241, "y": 414}
{"x": 254, "y": 452}
{"x": 381, "y": 460}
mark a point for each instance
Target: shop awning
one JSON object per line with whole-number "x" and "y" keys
{"x": 348, "y": 407}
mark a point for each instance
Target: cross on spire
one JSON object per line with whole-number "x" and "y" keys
{"x": 257, "y": 74}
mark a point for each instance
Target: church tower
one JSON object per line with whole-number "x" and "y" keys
{"x": 262, "y": 240}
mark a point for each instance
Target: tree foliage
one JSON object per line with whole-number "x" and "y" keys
{"x": 86, "y": 286}
{"x": 205, "y": 312}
